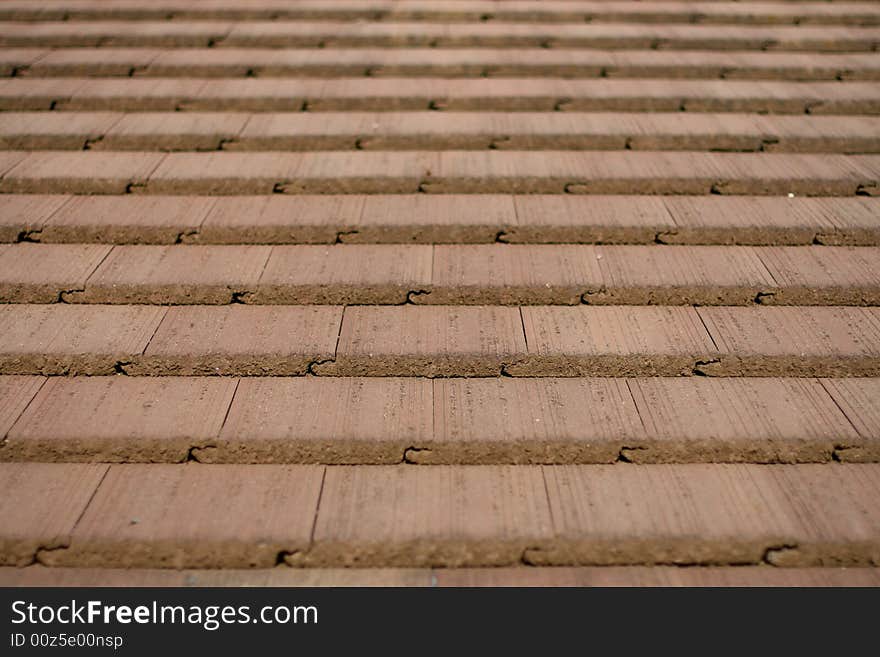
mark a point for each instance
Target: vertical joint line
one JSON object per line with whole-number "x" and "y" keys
{"x": 229, "y": 408}
{"x": 547, "y": 497}
{"x": 845, "y": 414}
{"x": 636, "y": 404}
{"x": 317, "y": 508}
{"x": 155, "y": 331}
{"x": 522, "y": 322}
{"x": 89, "y": 502}
{"x": 706, "y": 328}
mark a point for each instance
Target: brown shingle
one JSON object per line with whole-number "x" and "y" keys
{"x": 222, "y": 173}
{"x": 39, "y": 507}
{"x": 109, "y": 419}
{"x": 179, "y": 274}
{"x": 177, "y": 517}
{"x": 71, "y": 339}
{"x": 237, "y": 339}
{"x": 344, "y": 274}
{"x": 126, "y": 94}
{"x": 333, "y": 420}
{"x": 694, "y": 275}
{"x": 805, "y": 515}
{"x": 779, "y": 13}
{"x": 49, "y": 131}
{"x": 823, "y": 274}
{"x": 751, "y": 420}
{"x": 418, "y": 218}
{"x": 603, "y": 219}
{"x": 748, "y": 220}
{"x": 126, "y": 219}
{"x": 16, "y": 392}
{"x": 421, "y": 62}
{"x": 857, "y": 398}
{"x": 112, "y": 33}
{"x": 442, "y": 515}
{"x": 427, "y": 341}
{"x": 504, "y": 420}
{"x": 513, "y": 274}
{"x": 46, "y": 273}
{"x": 793, "y": 341}
{"x": 279, "y": 219}
{"x": 386, "y": 94}
{"x": 79, "y": 172}
{"x": 180, "y": 131}
{"x": 74, "y": 62}
{"x": 23, "y": 215}
{"x": 612, "y": 341}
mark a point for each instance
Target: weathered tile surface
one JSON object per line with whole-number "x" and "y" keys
{"x": 344, "y": 274}
{"x": 442, "y": 515}
{"x": 128, "y": 219}
{"x": 69, "y": 339}
{"x": 325, "y": 420}
{"x": 179, "y": 274}
{"x": 241, "y": 340}
{"x": 612, "y": 341}
{"x": 427, "y": 341}
{"x": 109, "y": 419}
{"x": 40, "y": 506}
{"x": 178, "y": 516}
{"x": 46, "y": 273}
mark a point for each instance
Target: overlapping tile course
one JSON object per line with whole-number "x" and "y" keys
{"x": 855, "y": 13}
{"x": 332, "y": 34}
{"x": 387, "y": 274}
{"x": 362, "y": 293}
{"x": 455, "y": 219}
{"x": 448, "y": 63}
{"x": 441, "y": 172}
{"x": 364, "y": 94}
{"x": 807, "y": 515}
{"x": 309, "y": 131}
{"x": 387, "y": 420}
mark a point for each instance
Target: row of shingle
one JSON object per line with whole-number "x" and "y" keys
{"x": 422, "y": 218}
{"x": 772, "y": 13}
{"x": 440, "y": 341}
{"x": 257, "y": 516}
{"x": 312, "y": 34}
{"x": 407, "y": 94}
{"x": 426, "y": 131}
{"x": 445, "y": 421}
{"x": 444, "y": 172}
{"x": 482, "y": 62}
{"x": 490, "y": 274}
